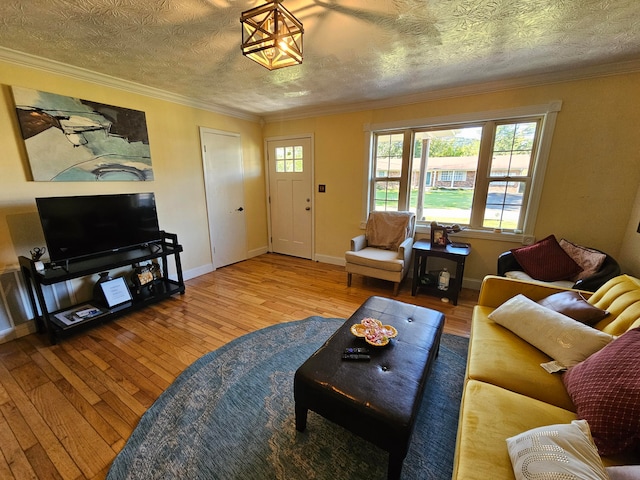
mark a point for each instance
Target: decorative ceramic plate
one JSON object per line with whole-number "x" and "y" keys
{"x": 373, "y": 332}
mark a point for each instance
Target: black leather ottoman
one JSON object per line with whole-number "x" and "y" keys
{"x": 379, "y": 399}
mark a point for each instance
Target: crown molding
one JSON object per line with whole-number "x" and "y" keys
{"x": 51, "y": 66}
{"x": 604, "y": 70}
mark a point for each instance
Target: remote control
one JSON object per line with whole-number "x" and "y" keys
{"x": 356, "y": 350}
{"x": 356, "y": 356}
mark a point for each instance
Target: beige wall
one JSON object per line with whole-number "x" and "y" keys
{"x": 177, "y": 163}
{"x": 590, "y": 196}
{"x": 591, "y": 180}
{"x": 630, "y": 254}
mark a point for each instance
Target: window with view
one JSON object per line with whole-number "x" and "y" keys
{"x": 475, "y": 174}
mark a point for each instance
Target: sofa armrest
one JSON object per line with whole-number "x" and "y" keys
{"x": 608, "y": 270}
{"x": 507, "y": 263}
{"x": 497, "y": 290}
{"x": 358, "y": 243}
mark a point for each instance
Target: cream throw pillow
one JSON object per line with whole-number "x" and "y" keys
{"x": 564, "y": 451}
{"x": 562, "y": 338}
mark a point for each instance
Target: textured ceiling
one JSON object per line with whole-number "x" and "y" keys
{"x": 354, "y": 50}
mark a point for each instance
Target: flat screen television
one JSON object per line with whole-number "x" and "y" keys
{"x": 84, "y": 226}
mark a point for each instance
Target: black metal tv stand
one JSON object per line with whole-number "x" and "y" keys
{"x": 48, "y": 321}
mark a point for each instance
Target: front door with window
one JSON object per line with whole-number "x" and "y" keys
{"x": 290, "y": 196}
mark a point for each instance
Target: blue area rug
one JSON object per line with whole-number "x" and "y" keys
{"x": 230, "y": 415}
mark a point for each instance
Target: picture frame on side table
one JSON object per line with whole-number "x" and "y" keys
{"x": 438, "y": 237}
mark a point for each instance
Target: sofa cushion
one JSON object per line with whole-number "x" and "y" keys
{"x": 606, "y": 391}
{"x": 376, "y": 258}
{"x": 620, "y": 296}
{"x": 562, "y": 338}
{"x": 488, "y": 416}
{"x": 573, "y": 304}
{"x": 500, "y": 357}
{"x": 546, "y": 260}
{"x": 520, "y": 275}
{"x": 556, "y": 451}
{"x": 590, "y": 260}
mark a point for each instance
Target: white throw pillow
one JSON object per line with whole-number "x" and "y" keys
{"x": 556, "y": 451}
{"x": 562, "y": 338}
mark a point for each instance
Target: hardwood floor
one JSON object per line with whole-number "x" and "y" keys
{"x": 66, "y": 410}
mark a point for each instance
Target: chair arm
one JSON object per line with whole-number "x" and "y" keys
{"x": 507, "y": 263}
{"x": 405, "y": 249}
{"x": 358, "y": 243}
{"x": 608, "y": 270}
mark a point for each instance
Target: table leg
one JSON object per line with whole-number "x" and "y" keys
{"x": 301, "y": 417}
{"x": 459, "y": 274}
{"x": 395, "y": 466}
{"x": 416, "y": 274}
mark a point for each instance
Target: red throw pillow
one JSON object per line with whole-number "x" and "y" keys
{"x": 605, "y": 388}
{"x": 546, "y": 260}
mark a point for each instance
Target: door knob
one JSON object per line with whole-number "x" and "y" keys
{"x": 308, "y": 208}
{"x": 239, "y": 209}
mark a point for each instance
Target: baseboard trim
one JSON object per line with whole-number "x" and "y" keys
{"x": 18, "y": 331}
{"x": 330, "y": 260}
{"x": 257, "y": 251}
{"x": 471, "y": 283}
{"x": 196, "y": 272}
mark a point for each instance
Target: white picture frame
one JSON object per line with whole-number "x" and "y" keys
{"x": 116, "y": 292}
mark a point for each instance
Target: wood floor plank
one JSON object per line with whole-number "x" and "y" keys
{"x": 67, "y": 409}
{"x": 89, "y": 451}
{"x": 13, "y": 453}
{"x": 53, "y": 356}
{"x": 50, "y": 443}
{"x": 15, "y": 421}
{"x": 116, "y": 421}
{"x": 90, "y": 413}
{"x": 41, "y": 464}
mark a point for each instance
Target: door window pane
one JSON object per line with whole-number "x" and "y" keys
{"x": 289, "y": 159}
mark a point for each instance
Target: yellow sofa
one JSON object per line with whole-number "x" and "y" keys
{"x": 506, "y": 391}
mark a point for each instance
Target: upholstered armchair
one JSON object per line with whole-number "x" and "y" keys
{"x": 384, "y": 250}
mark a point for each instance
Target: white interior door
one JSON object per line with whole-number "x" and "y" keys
{"x": 224, "y": 184}
{"x": 290, "y": 167}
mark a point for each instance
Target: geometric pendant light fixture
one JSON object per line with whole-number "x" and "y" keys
{"x": 271, "y": 36}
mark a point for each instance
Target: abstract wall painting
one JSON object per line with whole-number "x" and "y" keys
{"x": 73, "y": 140}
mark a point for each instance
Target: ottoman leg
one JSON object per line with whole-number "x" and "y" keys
{"x": 301, "y": 417}
{"x": 395, "y": 466}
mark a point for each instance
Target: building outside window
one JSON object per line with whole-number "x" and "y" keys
{"x": 479, "y": 174}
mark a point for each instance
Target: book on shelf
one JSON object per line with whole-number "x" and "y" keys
{"x": 79, "y": 313}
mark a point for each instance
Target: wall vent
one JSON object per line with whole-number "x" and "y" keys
{"x": 16, "y": 314}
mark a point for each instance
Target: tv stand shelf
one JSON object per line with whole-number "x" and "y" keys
{"x": 47, "y": 321}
